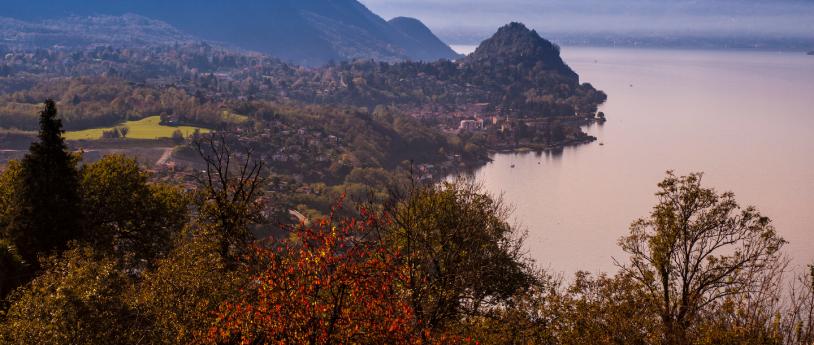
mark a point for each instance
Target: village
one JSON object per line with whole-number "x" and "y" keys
{"x": 505, "y": 131}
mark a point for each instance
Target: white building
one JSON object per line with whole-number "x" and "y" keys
{"x": 471, "y": 125}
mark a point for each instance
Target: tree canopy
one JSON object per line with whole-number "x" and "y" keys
{"x": 46, "y": 211}
{"x": 697, "y": 247}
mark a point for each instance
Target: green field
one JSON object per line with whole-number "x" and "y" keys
{"x": 147, "y": 128}
{"x": 234, "y": 118}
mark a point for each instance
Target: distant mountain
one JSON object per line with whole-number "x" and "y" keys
{"x": 420, "y": 40}
{"x": 307, "y": 32}
{"x": 76, "y": 32}
{"x": 514, "y": 44}
{"x": 811, "y": 52}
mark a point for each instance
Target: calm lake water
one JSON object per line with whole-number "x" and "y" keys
{"x": 743, "y": 118}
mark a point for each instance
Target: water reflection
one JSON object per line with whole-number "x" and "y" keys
{"x": 743, "y": 118}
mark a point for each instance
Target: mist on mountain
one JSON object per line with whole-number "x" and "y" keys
{"x": 698, "y": 23}
{"x": 309, "y": 32}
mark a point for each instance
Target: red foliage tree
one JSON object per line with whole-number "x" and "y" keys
{"x": 329, "y": 283}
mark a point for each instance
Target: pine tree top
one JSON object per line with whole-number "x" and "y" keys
{"x": 50, "y": 135}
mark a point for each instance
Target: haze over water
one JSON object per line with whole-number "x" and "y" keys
{"x": 744, "y": 118}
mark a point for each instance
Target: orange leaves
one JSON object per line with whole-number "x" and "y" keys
{"x": 331, "y": 286}
{"x": 334, "y": 282}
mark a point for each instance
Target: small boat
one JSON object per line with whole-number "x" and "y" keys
{"x": 601, "y": 144}
{"x": 512, "y": 166}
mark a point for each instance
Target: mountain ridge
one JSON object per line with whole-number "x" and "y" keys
{"x": 424, "y": 41}
{"x": 76, "y": 32}
{"x": 307, "y": 32}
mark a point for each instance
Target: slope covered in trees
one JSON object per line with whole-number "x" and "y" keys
{"x": 516, "y": 45}
{"x": 434, "y": 264}
{"x": 516, "y": 73}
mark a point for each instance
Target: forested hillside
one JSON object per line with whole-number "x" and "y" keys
{"x": 101, "y": 253}
{"x": 515, "y": 73}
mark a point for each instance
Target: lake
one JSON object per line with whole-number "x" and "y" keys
{"x": 743, "y": 118}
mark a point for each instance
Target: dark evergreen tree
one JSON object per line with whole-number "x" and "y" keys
{"x": 47, "y": 212}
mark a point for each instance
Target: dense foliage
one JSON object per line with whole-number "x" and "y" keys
{"x": 696, "y": 249}
{"x": 89, "y": 102}
{"x": 516, "y": 73}
{"x": 461, "y": 256}
{"x": 125, "y": 215}
{"x": 326, "y": 284}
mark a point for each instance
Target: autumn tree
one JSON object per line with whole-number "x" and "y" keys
{"x": 459, "y": 253}
{"x": 80, "y": 298}
{"x": 696, "y": 248}
{"x": 12, "y": 269}
{"x": 184, "y": 290}
{"x": 140, "y": 272}
{"x": 590, "y": 309}
{"x": 752, "y": 317}
{"x": 601, "y": 309}
{"x": 527, "y": 317}
{"x": 328, "y": 284}
{"x": 203, "y": 269}
{"x": 12, "y": 266}
{"x": 9, "y": 178}
{"x": 229, "y": 188}
{"x": 126, "y": 215}
{"x": 798, "y": 322}
{"x": 47, "y": 211}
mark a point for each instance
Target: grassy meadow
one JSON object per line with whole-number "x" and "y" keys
{"x": 234, "y": 118}
{"x": 146, "y": 128}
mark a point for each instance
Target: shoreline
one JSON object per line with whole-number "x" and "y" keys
{"x": 582, "y": 139}
{"x": 525, "y": 148}
{"x": 470, "y": 167}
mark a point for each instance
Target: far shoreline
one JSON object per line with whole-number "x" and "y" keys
{"x": 467, "y": 49}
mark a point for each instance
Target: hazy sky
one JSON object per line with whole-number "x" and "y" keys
{"x": 469, "y": 19}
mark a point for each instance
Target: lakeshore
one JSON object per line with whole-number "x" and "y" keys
{"x": 743, "y": 118}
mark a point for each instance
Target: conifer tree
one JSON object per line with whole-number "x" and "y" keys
{"x": 47, "y": 211}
